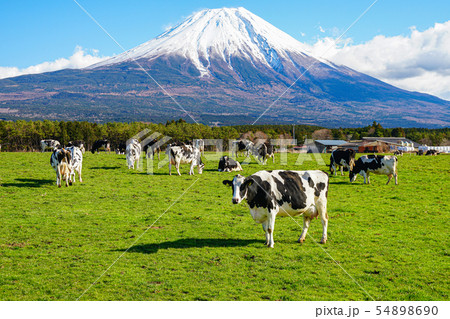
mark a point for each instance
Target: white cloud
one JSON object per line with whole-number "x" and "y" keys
{"x": 81, "y": 58}
{"x": 417, "y": 62}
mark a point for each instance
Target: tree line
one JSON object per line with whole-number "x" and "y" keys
{"x": 24, "y": 135}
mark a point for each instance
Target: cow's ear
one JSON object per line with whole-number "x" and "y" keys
{"x": 248, "y": 182}
{"x": 227, "y": 182}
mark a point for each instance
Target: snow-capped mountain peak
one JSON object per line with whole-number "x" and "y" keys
{"x": 218, "y": 33}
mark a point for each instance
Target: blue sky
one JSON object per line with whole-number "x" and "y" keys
{"x": 33, "y": 32}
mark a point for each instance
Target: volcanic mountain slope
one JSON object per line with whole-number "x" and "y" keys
{"x": 222, "y": 65}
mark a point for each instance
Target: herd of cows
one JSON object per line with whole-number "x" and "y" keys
{"x": 268, "y": 193}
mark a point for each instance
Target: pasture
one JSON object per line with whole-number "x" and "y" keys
{"x": 392, "y": 241}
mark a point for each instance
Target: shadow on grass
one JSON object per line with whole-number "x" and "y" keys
{"x": 29, "y": 182}
{"x": 190, "y": 243}
{"x": 341, "y": 182}
{"x": 105, "y": 167}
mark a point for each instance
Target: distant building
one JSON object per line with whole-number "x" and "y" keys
{"x": 374, "y": 147}
{"x": 326, "y": 146}
{"x": 393, "y": 142}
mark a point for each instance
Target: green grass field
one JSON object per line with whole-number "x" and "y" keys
{"x": 392, "y": 241}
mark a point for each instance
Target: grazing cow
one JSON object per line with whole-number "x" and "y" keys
{"x": 60, "y": 161}
{"x": 227, "y": 164}
{"x": 341, "y": 158}
{"x": 200, "y": 144}
{"x": 398, "y": 153}
{"x": 79, "y": 144}
{"x": 240, "y": 146}
{"x": 184, "y": 154}
{"x": 49, "y": 144}
{"x": 76, "y": 162}
{"x": 420, "y": 153}
{"x": 101, "y": 145}
{"x": 283, "y": 193}
{"x": 121, "y": 148}
{"x": 377, "y": 164}
{"x": 133, "y": 152}
{"x": 432, "y": 153}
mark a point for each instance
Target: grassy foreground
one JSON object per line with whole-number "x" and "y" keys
{"x": 55, "y": 243}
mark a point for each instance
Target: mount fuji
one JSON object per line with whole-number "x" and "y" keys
{"x": 224, "y": 66}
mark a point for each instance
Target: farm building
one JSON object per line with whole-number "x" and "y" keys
{"x": 326, "y": 146}
{"x": 374, "y": 147}
{"x": 394, "y": 142}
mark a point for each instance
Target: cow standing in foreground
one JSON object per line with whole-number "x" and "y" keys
{"x": 341, "y": 159}
{"x": 227, "y": 164}
{"x": 184, "y": 154}
{"x": 283, "y": 193}
{"x": 76, "y": 162}
{"x": 377, "y": 164}
{"x": 49, "y": 144}
{"x": 60, "y": 161}
{"x": 133, "y": 152}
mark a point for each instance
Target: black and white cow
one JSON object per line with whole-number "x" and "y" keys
{"x": 60, "y": 161}
{"x": 76, "y": 162}
{"x": 377, "y": 164}
{"x": 283, "y": 193}
{"x": 227, "y": 164}
{"x": 133, "y": 152}
{"x": 151, "y": 148}
{"x": 432, "y": 152}
{"x": 79, "y": 144}
{"x": 184, "y": 154}
{"x": 341, "y": 159}
{"x": 241, "y": 146}
{"x": 259, "y": 151}
{"x": 121, "y": 148}
{"x": 270, "y": 151}
{"x": 49, "y": 144}
{"x": 101, "y": 145}
{"x": 420, "y": 152}
{"x": 398, "y": 153}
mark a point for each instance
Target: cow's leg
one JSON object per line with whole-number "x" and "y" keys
{"x": 396, "y": 178}
{"x": 342, "y": 170}
{"x": 58, "y": 176}
{"x": 365, "y": 175}
{"x": 191, "y": 169}
{"x": 79, "y": 173}
{"x": 322, "y": 208}
{"x": 306, "y": 222}
{"x": 368, "y": 178}
{"x": 389, "y": 178}
{"x": 265, "y": 227}
{"x": 177, "y": 166}
{"x": 271, "y": 226}
{"x": 170, "y": 167}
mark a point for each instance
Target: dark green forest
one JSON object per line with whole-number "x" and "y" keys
{"x": 24, "y": 135}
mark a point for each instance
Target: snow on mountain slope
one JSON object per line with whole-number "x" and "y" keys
{"x": 219, "y": 33}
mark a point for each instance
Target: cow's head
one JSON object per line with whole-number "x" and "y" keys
{"x": 240, "y": 185}
{"x": 200, "y": 168}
